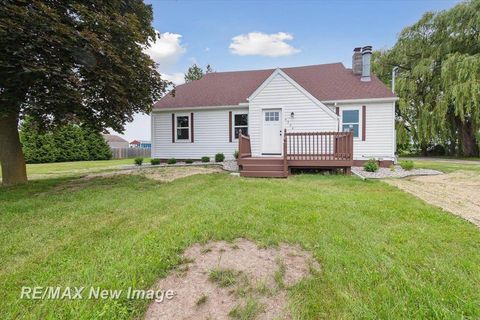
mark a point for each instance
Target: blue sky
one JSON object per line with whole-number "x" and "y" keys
{"x": 243, "y": 35}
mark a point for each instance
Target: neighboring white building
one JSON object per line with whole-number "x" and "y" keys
{"x": 204, "y": 117}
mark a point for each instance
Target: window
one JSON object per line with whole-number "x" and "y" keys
{"x": 272, "y": 116}
{"x": 240, "y": 122}
{"x": 183, "y": 127}
{"x": 351, "y": 121}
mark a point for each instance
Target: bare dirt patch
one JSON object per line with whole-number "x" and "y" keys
{"x": 164, "y": 174}
{"x": 239, "y": 280}
{"x": 457, "y": 192}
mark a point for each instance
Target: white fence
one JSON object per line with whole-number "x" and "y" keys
{"x": 123, "y": 153}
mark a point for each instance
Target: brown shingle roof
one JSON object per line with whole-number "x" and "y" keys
{"x": 324, "y": 81}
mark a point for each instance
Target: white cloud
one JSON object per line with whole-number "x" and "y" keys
{"x": 259, "y": 43}
{"x": 166, "y": 50}
{"x": 177, "y": 77}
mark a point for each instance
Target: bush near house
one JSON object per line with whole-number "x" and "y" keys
{"x": 219, "y": 157}
{"x": 236, "y": 154}
{"x": 205, "y": 159}
{"x": 189, "y": 161}
{"x": 138, "y": 161}
{"x": 155, "y": 162}
{"x": 172, "y": 161}
{"x": 407, "y": 165}
{"x": 370, "y": 166}
{"x": 65, "y": 143}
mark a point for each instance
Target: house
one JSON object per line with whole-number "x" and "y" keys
{"x": 146, "y": 144}
{"x": 318, "y": 116}
{"x": 115, "y": 141}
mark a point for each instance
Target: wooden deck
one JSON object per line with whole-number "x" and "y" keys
{"x": 322, "y": 150}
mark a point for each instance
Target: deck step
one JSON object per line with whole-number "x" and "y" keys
{"x": 262, "y": 167}
{"x": 262, "y": 161}
{"x": 262, "y": 174}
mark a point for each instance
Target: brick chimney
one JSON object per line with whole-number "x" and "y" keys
{"x": 366, "y": 58}
{"x": 357, "y": 61}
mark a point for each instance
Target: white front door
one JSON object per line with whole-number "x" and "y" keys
{"x": 272, "y": 132}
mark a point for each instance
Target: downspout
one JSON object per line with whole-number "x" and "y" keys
{"x": 394, "y": 74}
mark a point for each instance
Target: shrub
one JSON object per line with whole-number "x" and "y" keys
{"x": 65, "y": 143}
{"x": 189, "y": 161}
{"x": 138, "y": 161}
{"x": 370, "y": 166}
{"x": 155, "y": 161}
{"x": 205, "y": 159}
{"x": 172, "y": 161}
{"x": 236, "y": 154}
{"x": 407, "y": 165}
{"x": 219, "y": 157}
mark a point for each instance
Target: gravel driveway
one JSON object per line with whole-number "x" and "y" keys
{"x": 457, "y": 192}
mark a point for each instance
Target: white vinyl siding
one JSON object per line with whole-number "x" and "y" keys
{"x": 380, "y": 130}
{"x": 280, "y": 93}
{"x": 210, "y": 129}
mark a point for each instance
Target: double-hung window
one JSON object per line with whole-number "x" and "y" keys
{"x": 351, "y": 121}
{"x": 182, "y": 123}
{"x": 240, "y": 122}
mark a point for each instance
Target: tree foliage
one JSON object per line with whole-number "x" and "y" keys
{"x": 195, "y": 72}
{"x": 78, "y": 61}
{"x": 438, "y": 81}
{"x": 65, "y": 143}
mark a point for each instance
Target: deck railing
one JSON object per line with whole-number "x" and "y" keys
{"x": 318, "y": 146}
{"x": 244, "y": 148}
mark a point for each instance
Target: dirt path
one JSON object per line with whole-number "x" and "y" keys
{"x": 457, "y": 192}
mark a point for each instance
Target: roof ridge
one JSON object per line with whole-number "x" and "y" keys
{"x": 273, "y": 69}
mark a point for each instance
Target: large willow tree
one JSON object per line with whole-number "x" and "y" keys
{"x": 78, "y": 61}
{"x": 438, "y": 79}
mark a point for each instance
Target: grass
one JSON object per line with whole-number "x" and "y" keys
{"x": 202, "y": 300}
{"x": 447, "y": 166}
{"x": 247, "y": 312}
{"x": 383, "y": 253}
{"x": 279, "y": 274}
{"x": 65, "y": 169}
{"x": 223, "y": 278}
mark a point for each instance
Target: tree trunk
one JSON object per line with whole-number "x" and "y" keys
{"x": 468, "y": 141}
{"x": 11, "y": 155}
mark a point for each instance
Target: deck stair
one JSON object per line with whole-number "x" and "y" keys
{"x": 262, "y": 167}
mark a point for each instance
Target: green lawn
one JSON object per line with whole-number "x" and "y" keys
{"x": 384, "y": 254}
{"x": 59, "y": 169}
{"x": 446, "y": 166}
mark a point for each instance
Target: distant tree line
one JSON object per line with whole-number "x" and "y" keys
{"x": 66, "y": 143}
{"x": 438, "y": 82}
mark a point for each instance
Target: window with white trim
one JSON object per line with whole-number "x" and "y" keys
{"x": 182, "y": 123}
{"x": 351, "y": 121}
{"x": 240, "y": 122}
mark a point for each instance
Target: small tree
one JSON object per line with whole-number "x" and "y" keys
{"x": 196, "y": 73}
